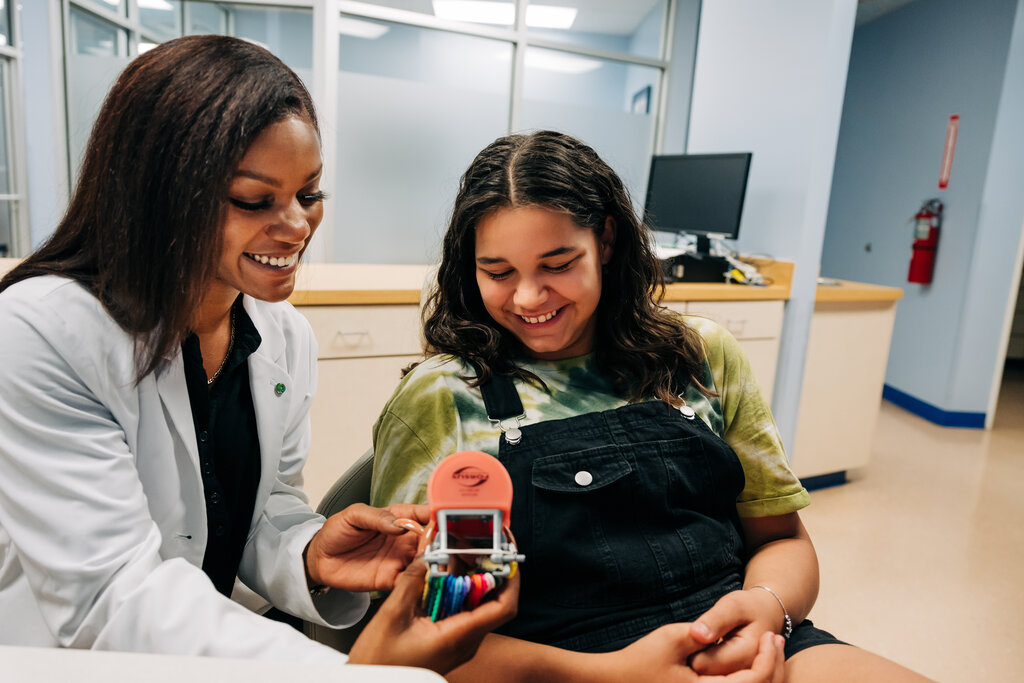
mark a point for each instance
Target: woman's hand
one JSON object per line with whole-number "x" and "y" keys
{"x": 662, "y": 656}
{"x": 401, "y": 635}
{"x": 739, "y": 619}
{"x": 362, "y": 548}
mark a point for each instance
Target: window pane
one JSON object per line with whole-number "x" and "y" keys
{"x": 98, "y": 54}
{"x": 609, "y": 105}
{"x": 6, "y": 229}
{"x": 161, "y": 18}
{"x": 288, "y": 33}
{"x": 93, "y": 36}
{"x": 118, "y": 6}
{"x": 5, "y": 161}
{"x": 633, "y": 27}
{"x": 206, "y": 18}
{"x": 5, "y": 23}
{"x": 415, "y": 106}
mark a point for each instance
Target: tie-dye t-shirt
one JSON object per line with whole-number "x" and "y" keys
{"x": 434, "y": 413}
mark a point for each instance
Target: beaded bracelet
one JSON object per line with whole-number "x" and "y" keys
{"x": 787, "y": 624}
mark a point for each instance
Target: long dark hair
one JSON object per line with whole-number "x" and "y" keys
{"x": 647, "y": 350}
{"x": 142, "y": 229}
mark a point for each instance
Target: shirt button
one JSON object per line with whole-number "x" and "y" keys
{"x": 203, "y": 436}
{"x": 214, "y": 497}
{"x": 584, "y": 478}
{"x": 207, "y": 467}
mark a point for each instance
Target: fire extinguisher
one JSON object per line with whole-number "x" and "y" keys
{"x": 926, "y": 241}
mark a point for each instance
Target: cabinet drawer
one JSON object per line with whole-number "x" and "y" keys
{"x": 362, "y": 331}
{"x": 745, "y": 319}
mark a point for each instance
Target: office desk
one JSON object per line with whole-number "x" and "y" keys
{"x": 48, "y": 665}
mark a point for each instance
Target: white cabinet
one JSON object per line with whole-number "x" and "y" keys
{"x": 362, "y": 352}
{"x": 847, "y": 352}
{"x": 757, "y": 326}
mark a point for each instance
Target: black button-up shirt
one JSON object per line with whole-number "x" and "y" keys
{"x": 229, "y": 447}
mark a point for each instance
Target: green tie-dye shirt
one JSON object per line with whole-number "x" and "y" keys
{"x": 433, "y": 413}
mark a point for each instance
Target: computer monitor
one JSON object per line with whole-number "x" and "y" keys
{"x": 698, "y": 194}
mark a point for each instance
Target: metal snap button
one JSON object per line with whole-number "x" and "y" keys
{"x": 687, "y": 412}
{"x": 584, "y": 478}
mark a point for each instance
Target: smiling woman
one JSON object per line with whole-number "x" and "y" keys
{"x": 152, "y": 455}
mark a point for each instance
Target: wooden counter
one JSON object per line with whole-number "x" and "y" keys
{"x": 326, "y": 284}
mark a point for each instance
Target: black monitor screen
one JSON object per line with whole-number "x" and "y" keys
{"x": 699, "y": 194}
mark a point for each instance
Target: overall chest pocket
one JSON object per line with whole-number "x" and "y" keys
{"x": 580, "y": 511}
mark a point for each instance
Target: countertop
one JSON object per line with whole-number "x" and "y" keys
{"x": 325, "y": 284}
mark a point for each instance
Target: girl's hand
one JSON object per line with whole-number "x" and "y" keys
{"x": 733, "y": 629}
{"x": 661, "y": 656}
{"x": 401, "y": 635}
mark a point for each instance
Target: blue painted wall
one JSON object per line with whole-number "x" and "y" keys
{"x": 909, "y": 71}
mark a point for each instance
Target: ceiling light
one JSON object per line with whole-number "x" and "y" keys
{"x": 547, "y": 16}
{"x": 562, "y": 63}
{"x": 504, "y": 13}
{"x": 361, "y": 29}
{"x": 161, "y": 5}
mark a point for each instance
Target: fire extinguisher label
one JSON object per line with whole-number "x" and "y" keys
{"x": 922, "y": 228}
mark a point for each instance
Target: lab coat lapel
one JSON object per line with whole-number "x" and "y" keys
{"x": 170, "y": 382}
{"x": 266, "y": 371}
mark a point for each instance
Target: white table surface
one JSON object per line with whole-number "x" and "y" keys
{"x": 48, "y": 665}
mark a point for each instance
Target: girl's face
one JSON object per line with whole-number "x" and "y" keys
{"x": 274, "y": 207}
{"x": 539, "y": 275}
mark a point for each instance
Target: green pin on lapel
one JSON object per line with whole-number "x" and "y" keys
{"x": 280, "y": 388}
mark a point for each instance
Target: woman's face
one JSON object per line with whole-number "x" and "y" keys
{"x": 274, "y": 207}
{"x": 539, "y": 275}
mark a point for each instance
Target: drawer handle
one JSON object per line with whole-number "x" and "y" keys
{"x": 737, "y": 327}
{"x": 352, "y": 338}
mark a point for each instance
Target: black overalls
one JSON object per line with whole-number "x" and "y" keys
{"x": 627, "y": 518}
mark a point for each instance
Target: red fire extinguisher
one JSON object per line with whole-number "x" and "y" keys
{"x": 926, "y": 241}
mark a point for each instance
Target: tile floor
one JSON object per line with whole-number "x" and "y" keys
{"x": 922, "y": 551}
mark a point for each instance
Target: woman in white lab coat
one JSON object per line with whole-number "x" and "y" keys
{"x": 155, "y": 390}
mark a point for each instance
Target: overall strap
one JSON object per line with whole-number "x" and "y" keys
{"x": 500, "y": 397}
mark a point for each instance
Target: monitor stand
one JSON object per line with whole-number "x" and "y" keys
{"x": 699, "y": 266}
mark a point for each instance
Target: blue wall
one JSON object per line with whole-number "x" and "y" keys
{"x": 909, "y": 71}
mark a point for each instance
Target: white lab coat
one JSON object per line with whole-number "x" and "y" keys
{"x": 102, "y": 517}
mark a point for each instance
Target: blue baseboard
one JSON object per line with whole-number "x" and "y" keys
{"x": 823, "y": 481}
{"x": 943, "y": 418}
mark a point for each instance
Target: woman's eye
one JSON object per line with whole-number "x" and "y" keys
{"x": 251, "y": 206}
{"x": 312, "y": 198}
{"x": 498, "y": 276}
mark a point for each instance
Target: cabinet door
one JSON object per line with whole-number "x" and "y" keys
{"x": 364, "y": 331}
{"x": 757, "y": 325}
{"x": 351, "y": 394}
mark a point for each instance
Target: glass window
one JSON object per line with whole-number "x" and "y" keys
{"x": 98, "y": 54}
{"x": 633, "y": 27}
{"x": 6, "y": 228}
{"x": 288, "y": 33}
{"x": 6, "y": 187}
{"x": 415, "y": 106}
{"x": 609, "y": 105}
{"x": 91, "y": 35}
{"x": 5, "y": 23}
{"x": 206, "y": 18}
{"x": 118, "y": 6}
{"x": 161, "y": 18}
